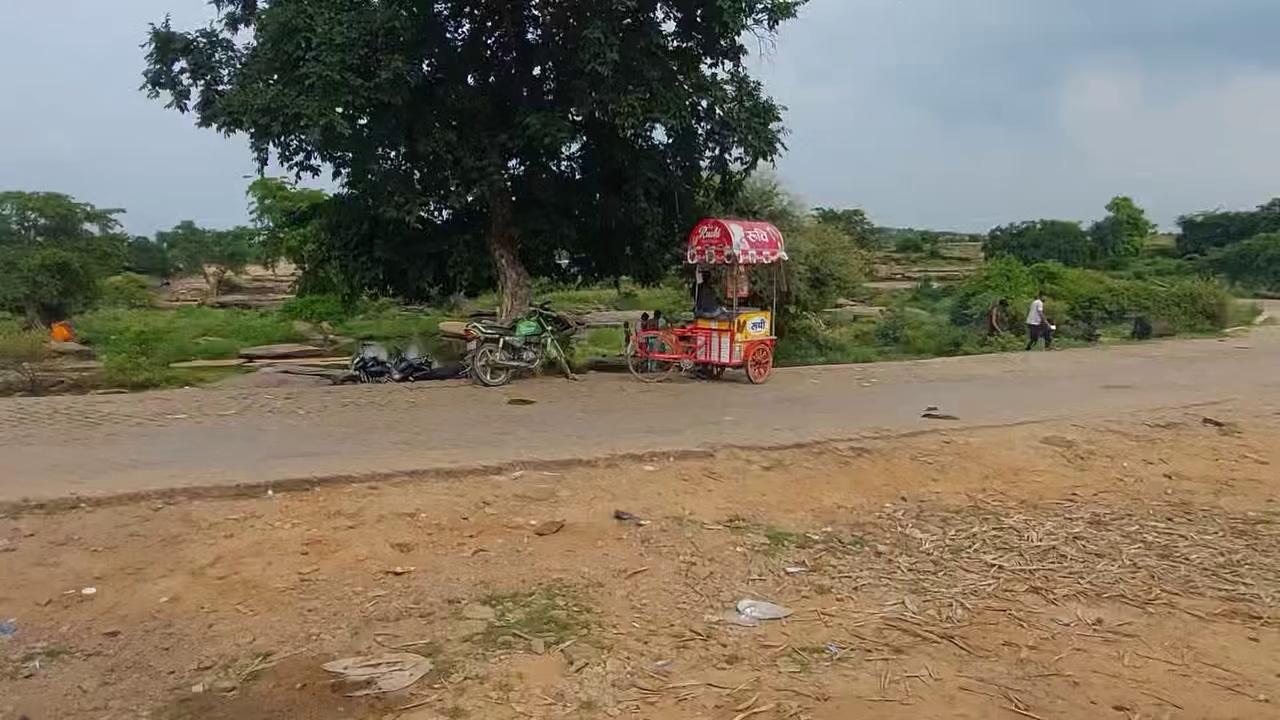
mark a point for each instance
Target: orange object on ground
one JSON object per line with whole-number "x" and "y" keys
{"x": 61, "y": 332}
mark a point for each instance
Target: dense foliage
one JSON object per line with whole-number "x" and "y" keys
{"x": 1121, "y": 235}
{"x": 582, "y": 129}
{"x": 1088, "y": 297}
{"x": 853, "y": 222}
{"x": 1040, "y": 241}
{"x": 1201, "y": 232}
{"x": 1109, "y": 242}
{"x": 826, "y": 265}
{"x": 1253, "y": 263}
{"x": 212, "y": 253}
{"x": 54, "y": 252}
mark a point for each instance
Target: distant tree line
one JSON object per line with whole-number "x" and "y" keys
{"x": 1243, "y": 246}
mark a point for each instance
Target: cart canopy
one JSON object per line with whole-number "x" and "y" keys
{"x": 724, "y": 242}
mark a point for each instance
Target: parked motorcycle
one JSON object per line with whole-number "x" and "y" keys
{"x": 497, "y": 351}
{"x": 373, "y": 363}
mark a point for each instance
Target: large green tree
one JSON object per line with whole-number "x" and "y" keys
{"x": 1040, "y": 241}
{"x": 54, "y": 251}
{"x": 853, "y": 222}
{"x": 535, "y": 128}
{"x": 214, "y": 254}
{"x": 1121, "y": 234}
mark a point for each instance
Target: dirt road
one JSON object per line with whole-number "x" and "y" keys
{"x": 95, "y": 446}
{"x": 1122, "y": 568}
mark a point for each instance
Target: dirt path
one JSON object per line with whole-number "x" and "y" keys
{"x": 95, "y": 446}
{"x": 1122, "y": 568}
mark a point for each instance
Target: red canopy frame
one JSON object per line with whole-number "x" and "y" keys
{"x": 716, "y": 241}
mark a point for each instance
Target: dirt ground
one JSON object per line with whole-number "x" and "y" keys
{"x": 1126, "y": 569}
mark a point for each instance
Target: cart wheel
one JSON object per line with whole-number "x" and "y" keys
{"x": 644, "y": 366}
{"x": 760, "y": 364}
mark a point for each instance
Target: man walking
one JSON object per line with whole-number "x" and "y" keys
{"x": 1038, "y": 325}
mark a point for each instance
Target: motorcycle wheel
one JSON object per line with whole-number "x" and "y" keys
{"x": 484, "y": 368}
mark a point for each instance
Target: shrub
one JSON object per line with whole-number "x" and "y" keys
{"x": 317, "y": 308}
{"x": 825, "y": 265}
{"x": 1001, "y": 279}
{"x": 917, "y": 333}
{"x": 137, "y": 346}
{"x": 53, "y": 253}
{"x": 126, "y": 291}
{"x": 1254, "y": 263}
{"x": 808, "y": 340}
{"x": 1088, "y": 297}
{"x": 22, "y": 346}
{"x": 21, "y": 352}
{"x": 1192, "y": 306}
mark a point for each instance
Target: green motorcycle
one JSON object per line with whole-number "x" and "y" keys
{"x": 497, "y": 351}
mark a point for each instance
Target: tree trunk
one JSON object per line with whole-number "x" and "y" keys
{"x": 514, "y": 285}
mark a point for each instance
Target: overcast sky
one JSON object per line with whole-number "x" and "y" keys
{"x": 930, "y": 113}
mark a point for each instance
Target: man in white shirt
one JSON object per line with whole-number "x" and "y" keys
{"x": 1038, "y": 325}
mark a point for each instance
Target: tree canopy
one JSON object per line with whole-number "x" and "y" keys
{"x": 853, "y": 222}
{"x": 1040, "y": 241}
{"x": 1201, "y": 232}
{"x": 54, "y": 251}
{"x": 212, "y": 253}
{"x": 593, "y": 129}
{"x": 1254, "y": 263}
{"x": 1121, "y": 234}
{"x": 1110, "y": 241}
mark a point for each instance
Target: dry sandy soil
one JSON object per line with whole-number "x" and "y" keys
{"x": 1116, "y": 569}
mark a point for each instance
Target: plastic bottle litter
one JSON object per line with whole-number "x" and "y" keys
{"x": 750, "y": 613}
{"x": 761, "y": 610}
{"x": 9, "y": 627}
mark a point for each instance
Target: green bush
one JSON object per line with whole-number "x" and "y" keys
{"x": 1192, "y": 306}
{"x": 1254, "y": 263}
{"x": 19, "y": 346}
{"x": 918, "y": 334}
{"x": 1089, "y": 297}
{"x": 126, "y": 291}
{"x": 1001, "y": 279}
{"x": 317, "y": 308}
{"x": 137, "y": 346}
{"x": 826, "y": 264}
{"x": 808, "y": 340}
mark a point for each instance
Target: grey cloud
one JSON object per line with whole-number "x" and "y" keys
{"x": 943, "y": 113}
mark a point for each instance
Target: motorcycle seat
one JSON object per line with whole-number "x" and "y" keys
{"x": 495, "y": 327}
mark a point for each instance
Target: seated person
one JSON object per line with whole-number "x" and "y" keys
{"x": 706, "y": 303}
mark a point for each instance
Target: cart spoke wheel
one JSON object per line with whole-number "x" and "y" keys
{"x": 643, "y": 364}
{"x": 760, "y": 364}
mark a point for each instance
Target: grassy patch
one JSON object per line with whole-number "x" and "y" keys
{"x": 671, "y": 298}
{"x": 552, "y": 613}
{"x": 780, "y": 539}
{"x": 390, "y": 324}
{"x": 136, "y": 346}
{"x": 598, "y": 343}
{"x": 22, "y": 346}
